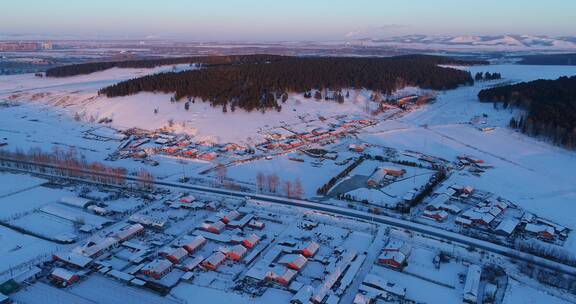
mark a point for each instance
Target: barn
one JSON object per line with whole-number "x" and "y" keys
{"x": 195, "y": 244}
{"x": 157, "y": 269}
{"x": 438, "y": 216}
{"x": 293, "y": 261}
{"x": 393, "y": 259}
{"x": 129, "y": 232}
{"x": 177, "y": 255}
{"x": 507, "y": 226}
{"x": 216, "y": 227}
{"x": 215, "y": 260}
{"x": 63, "y": 277}
{"x": 237, "y": 253}
{"x": 286, "y": 277}
{"x": 230, "y": 216}
{"x": 251, "y": 241}
{"x": 308, "y": 250}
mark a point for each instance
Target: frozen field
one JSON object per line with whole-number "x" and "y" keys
{"x": 520, "y": 293}
{"x": 43, "y": 293}
{"x": 288, "y": 171}
{"x": 191, "y": 293}
{"x": 13, "y": 183}
{"x": 18, "y": 248}
{"x": 116, "y": 292}
{"x": 18, "y": 204}
{"x": 46, "y": 225}
{"x": 420, "y": 290}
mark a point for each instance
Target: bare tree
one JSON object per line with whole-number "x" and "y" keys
{"x": 273, "y": 181}
{"x": 298, "y": 191}
{"x": 145, "y": 178}
{"x": 287, "y": 188}
{"x": 221, "y": 172}
{"x": 260, "y": 181}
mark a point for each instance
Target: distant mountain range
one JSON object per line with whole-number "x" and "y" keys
{"x": 495, "y": 42}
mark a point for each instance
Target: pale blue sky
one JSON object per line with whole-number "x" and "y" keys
{"x": 284, "y": 20}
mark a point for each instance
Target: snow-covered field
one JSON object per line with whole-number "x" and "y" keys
{"x": 190, "y": 293}
{"x": 201, "y": 119}
{"x": 287, "y": 171}
{"x": 21, "y": 202}
{"x": 520, "y": 293}
{"x": 531, "y": 173}
{"x": 14, "y": 183}
{"x": 18, "y": 248}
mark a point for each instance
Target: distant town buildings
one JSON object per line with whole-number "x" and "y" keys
{"x": 25, "y": 46}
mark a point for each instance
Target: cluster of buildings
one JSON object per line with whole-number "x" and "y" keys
{"x": 483, "y": 214}
{"x": 543, "y": 229}
{"x": 285, "y": 139}
{"x": 443, "y": 204}
{"x": 474, "y": 209}
{"x": 475, "y": 165}
{"x": 287, "y": 259}
{"x": 384, "y": 175}
{"x": 232, "y": 246}
{"x": 160, "y": 267}
{"x": 451, "y": 201}
{"x": 410, "y": 101}
{"x": 24, "y": 46}
{"x": 84, "y": 255}
{"x": 283, "y": 262}
{"x": 141, "y": 144}
{"x": 154, "y": 261}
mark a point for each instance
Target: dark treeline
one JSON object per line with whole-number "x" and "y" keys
{"x": 552, "y": 59}
{"x": 487, "y": 76}
{"x": 261, "y": 86}
{"x": 550, "y": 107}
{"x": 91, "y": 67}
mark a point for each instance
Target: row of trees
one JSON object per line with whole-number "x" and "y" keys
{"x": 427, "y": 189}
{"x": 71, "y": 164}
{"x": 323, "y": 190}
{"x": 487, "y": 76}
{"x": 270, "y": 183}
{"x": 547, "y": 251}
{"x": 256, "y": 86}
{"x": 550, "y": 107}
{"x": 91, "y": 67}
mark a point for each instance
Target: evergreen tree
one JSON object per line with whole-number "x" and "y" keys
{"x": 478, "y": 76}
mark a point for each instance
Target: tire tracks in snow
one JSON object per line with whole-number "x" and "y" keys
{"x": 480, "y": 150}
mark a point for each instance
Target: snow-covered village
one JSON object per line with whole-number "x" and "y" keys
{"x": 405, "y": 170}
